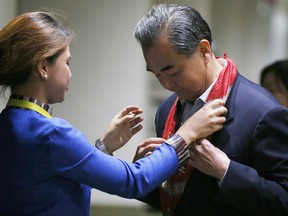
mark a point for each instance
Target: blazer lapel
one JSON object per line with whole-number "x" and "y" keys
{"x": 221, "y": 137}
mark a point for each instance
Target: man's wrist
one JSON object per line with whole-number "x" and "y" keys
{"x": 221, "y": 178}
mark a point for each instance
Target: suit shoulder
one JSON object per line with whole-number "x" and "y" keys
{"x": 168, "y": 102}
{"x": 250, "y": 91}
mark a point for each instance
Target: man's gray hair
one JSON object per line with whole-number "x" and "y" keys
{"x": 183, "y": 25}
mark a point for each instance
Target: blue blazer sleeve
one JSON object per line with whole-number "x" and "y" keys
{"x": 72, "y": 156}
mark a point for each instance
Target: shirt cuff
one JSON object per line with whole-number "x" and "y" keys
{"x": 100, "y": 146}
{"x": 221, "y": 180}
{"x": 180, "y": 146}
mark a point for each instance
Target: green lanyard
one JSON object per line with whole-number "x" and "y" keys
{"x": 28, "y": 105}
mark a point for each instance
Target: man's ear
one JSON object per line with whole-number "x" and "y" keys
{"x": 205, "y": 50}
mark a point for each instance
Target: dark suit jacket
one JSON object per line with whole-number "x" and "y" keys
{"x": 255, "y": 138}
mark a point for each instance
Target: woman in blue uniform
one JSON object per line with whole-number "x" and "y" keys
{"x": 47, "y": 166}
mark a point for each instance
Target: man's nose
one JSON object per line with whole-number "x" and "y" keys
{"x": 168, "y": 83}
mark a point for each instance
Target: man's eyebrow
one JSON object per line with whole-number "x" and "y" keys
{"x": 168, "y": 67}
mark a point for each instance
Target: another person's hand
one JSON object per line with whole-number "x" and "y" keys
{"x": 122, "y": 127}
{"x": 209, "y": 159}
{"x": 204, "y": 122}
{"x": 147, "y": 147}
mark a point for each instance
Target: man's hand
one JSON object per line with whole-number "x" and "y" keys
{"x": 209, "y": 159}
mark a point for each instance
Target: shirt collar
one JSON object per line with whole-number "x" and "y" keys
{"x": 204, "y": 96}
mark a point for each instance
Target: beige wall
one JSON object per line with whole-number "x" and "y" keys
{"x": 243, "y": 29}
{"x": 8, "y": 9}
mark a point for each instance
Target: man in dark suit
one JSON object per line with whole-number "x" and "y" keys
{"x": 239, "y": 170}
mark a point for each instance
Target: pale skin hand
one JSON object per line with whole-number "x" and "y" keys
{"x": 202, "y": 124}
{"x": 122, "y": 127}
{"x": 208, "y": 159}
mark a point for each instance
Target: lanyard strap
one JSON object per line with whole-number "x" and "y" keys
{"x": 28, "y": 105}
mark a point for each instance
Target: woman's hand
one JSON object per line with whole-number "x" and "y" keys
{"x": 122, "y": 127}
{"x": 147, "y": 147}
{"x": 204, "y": 122}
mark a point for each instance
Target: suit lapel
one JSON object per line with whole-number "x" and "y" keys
{"x": 221, "y": 137}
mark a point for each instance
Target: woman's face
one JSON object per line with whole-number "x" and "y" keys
{"x": 58, "y": 77}
{"x": 276, "y": 87}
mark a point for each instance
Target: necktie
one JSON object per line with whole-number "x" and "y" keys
{"x": 189, "y": 109}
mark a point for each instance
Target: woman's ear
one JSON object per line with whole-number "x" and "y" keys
{"x": 42, "y": 69}
{"x": 205, "y": 50}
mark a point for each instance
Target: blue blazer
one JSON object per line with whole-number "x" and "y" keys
{"x": 255, "y": 138}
